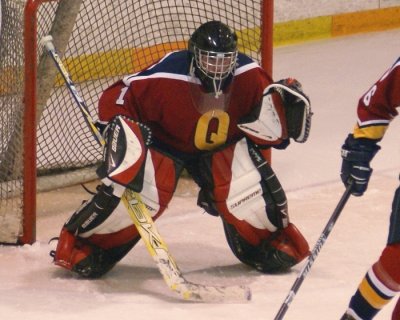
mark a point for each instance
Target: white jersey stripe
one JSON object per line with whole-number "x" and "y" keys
{"x": 166, "y": 75}
{"x": 381, "y": 287}
{"x": 372, "y": 122}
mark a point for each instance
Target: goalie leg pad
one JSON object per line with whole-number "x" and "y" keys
{"x": 101, "y": 232}
{"x": 94, "y": 212}
{"x": 284, "y": 249}
{"x": 278, "y": 253}
{"x": 87, "y": 259}
{"x": 235, "y": 189}
{"x": 276, "y": 197}
{"x": 125, "y": 150}
{"x": 96, "y": 236}
{"x": 76, "y": 250}
{"x": 161, "y": 174}
{"x": 94, "y": 252}
{"x": 245, "y": 192}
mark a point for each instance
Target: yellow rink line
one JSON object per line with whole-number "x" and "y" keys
{"x": 97, "y": 65}
{"x": 127, "y": 61}
{"x": 336, "y": 25}
{"x": 134, "y": 60}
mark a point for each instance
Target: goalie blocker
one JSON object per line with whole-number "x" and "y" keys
{"x": 237, "y": 184}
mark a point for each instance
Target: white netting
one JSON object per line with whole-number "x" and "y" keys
{"x": 101, "y": 40}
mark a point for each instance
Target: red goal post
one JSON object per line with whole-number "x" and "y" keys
{"x": 44, "y": 142}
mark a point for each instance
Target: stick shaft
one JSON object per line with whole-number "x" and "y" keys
{"x": 314, "y": 253}
{"x": 47, "y": 42}
{"x": 167, "y": 265}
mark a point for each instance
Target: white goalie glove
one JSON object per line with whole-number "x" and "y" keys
{"x": 284, "y": 112}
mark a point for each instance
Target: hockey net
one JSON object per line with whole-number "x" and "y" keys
{"x": 44, "y": 142}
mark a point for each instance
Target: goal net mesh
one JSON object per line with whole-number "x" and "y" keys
{"x": 99, "y": 41}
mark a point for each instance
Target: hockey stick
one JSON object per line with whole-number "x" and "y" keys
{"x": 145, "y": 224}
{"x": 47, "y": 41}
{"x": 167, "y": 265}
{"x": 314, "y": 253}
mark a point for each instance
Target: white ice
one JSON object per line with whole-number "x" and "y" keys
{"x": 335, "y": 73}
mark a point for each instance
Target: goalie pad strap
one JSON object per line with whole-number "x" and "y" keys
{"x": 94, "y": 212}
{"x": 273, "y": 187}
{"x": 235, "y": 189}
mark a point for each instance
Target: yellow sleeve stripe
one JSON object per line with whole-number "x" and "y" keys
{"x": 370, "y": 132}
{"x": 373, "y": 298}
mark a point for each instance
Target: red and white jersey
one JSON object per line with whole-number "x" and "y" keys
{"x": 377, "y": 107}
{"x": 168, "y": 99}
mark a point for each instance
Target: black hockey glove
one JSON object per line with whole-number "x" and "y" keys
{"x": 357, "y": 154}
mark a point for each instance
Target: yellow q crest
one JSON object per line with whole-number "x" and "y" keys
{"x": 211, "y": 130}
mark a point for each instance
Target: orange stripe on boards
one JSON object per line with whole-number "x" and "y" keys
{"x": 366, "y": 21}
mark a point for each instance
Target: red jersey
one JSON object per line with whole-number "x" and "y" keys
{"x": 165, "y": 97}
{"x": 377, "y": 107}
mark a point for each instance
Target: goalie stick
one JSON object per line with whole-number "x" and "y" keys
{"x": 314, "y": 253}
{"x": 167, "y": 265}
{"x": 145, "y": 224}
{"x": 47, "y": 41}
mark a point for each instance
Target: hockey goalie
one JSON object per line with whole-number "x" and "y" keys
{"x": 209, "y": 110}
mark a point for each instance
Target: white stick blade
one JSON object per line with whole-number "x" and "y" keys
{"x": 214, "y": 294}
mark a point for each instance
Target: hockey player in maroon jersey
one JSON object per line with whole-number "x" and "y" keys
{"x": 214, "y": 112}
{"x": 376, "y": 108}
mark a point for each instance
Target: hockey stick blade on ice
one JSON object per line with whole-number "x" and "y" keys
{"x": 167, "y": 265}
{"x": 314, "y": 253}
{"x": 145, "y": 224}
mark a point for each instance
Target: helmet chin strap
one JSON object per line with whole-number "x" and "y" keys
{"x": 217, "y": 88}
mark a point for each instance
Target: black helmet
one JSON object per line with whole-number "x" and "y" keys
{"x": 214, "y": 49}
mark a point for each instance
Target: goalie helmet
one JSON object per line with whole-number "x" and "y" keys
{"x": 213, "y": 47}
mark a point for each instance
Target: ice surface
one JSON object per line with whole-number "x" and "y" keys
{"x": 335, "y": 73}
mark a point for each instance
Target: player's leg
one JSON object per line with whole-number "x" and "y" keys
{"x": 100, "y": 232}
{"x": 376, "y": 289}
{"x": 382, "y": 281}
{"x": 396, "y": 311}
{"x": 276, "y": 252}
{"x": 92, "y": 254}
{"x": 253, "y": 208}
